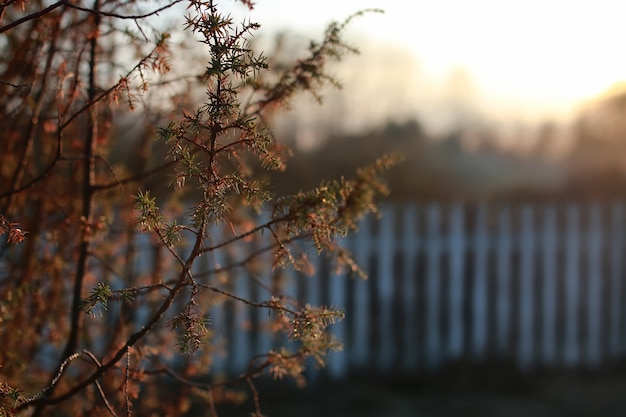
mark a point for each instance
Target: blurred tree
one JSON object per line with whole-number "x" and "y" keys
{"x": 596, "y": 168}
{"x": 83, "y": 328}
{"x": 417, "y": 176}
{"x": 433, "y": 168}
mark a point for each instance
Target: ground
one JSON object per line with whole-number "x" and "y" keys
{"x": 468, "y": 391}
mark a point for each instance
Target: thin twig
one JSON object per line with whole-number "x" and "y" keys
{"x": 126, "y": 379}
{"x": 96, "y": 99}
{"x": 212, "y": 409}
{"x": 120, "y": 16}
{"x": 255, "y": 398}
{"x": 245, "y": 234}
{"x": 36, "y": 15}
{"x": 263, "y": 304}
{"x": 104, "y": 398}
{"x": 54, "y": 380}
{"x": 16, "y": 86}
{"x": 97, "y": 384}
{"x": 131, "y": 341}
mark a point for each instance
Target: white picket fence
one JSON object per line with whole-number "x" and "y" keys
{"x": 542, "y": 285}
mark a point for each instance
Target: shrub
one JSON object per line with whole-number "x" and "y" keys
{"x": 86, "y": 324}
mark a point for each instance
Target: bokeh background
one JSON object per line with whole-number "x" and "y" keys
{"x": 497, "y": 271}
{"x": 500, "y": 248}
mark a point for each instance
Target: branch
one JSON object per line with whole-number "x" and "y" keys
{"x": 98, "y": 386}
{"x": 132, "y": 340}
{"x": 36, "y": 15}
{"x": 209, "y": 387}
{"x": 263, "y": 304}
{"x": 255, "y": 397}
{"x": 252, "y": 372}
{"x": 16, "y": 86}
{"x": 246, "y": 234}
{"x": 133, "y": 178}
{"x": 54, "y": 381}
{"x": 244, "y": 261}
{"x": 120, "y": 16}
{"x": 117, "y": 85}
{"x": 66, "y": 3}
{"x": 90, "y": 103}
{"x": 39, "y": 177}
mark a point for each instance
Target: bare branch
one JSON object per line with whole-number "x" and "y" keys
{"x": 245, "y": 234}
{"x": 36, "y": 15}
{"x": 54, "y": 381}
{"x": 154, "y": 12}
{"x": 16, "y": 86}
{"x": 97, "y": 384}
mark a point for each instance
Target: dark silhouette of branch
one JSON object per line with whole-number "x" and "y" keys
{"x": 55, "y": 380}
{"x": 36, "y": 15}
{"x": 16, "y": 86}
{"x": 244, "y": 235}
{"x": 134, "y": 178}
{"x": 154, "y": 12}
{"x": 66, "y": 3}
{"x": 39, "y": 177}
{"x": 98, "y": 386}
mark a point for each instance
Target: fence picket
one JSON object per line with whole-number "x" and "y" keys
{"x": 456, "y": 245}
{"x": 503, "y": 259}
{"x": 572, "y": 302}
{"x": 240, "y": 340}
{"x": 526, "y": 295}
{"x": 594, "y": 308}
{"x": 480, "y": 246}
{"x": 549, "y": 300}
{"x": 433, "y": 287}
{"x": 361, "y": 312}
{"x": 616, "y": 275}
{"x": 409, "y": 288}
{"x": 265, "y": 338}
{"x": 385, "y": 282}
{"x": 337, "y": 362}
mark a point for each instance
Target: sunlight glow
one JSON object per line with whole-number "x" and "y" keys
{"x": 528, "y": 57}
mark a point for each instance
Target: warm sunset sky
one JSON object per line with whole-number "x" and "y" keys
{"x": 514, "y": 59}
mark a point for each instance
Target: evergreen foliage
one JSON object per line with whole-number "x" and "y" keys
{"x": 71, "y": 215}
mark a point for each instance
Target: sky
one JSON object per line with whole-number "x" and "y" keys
{"x": 521, "y": 60}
